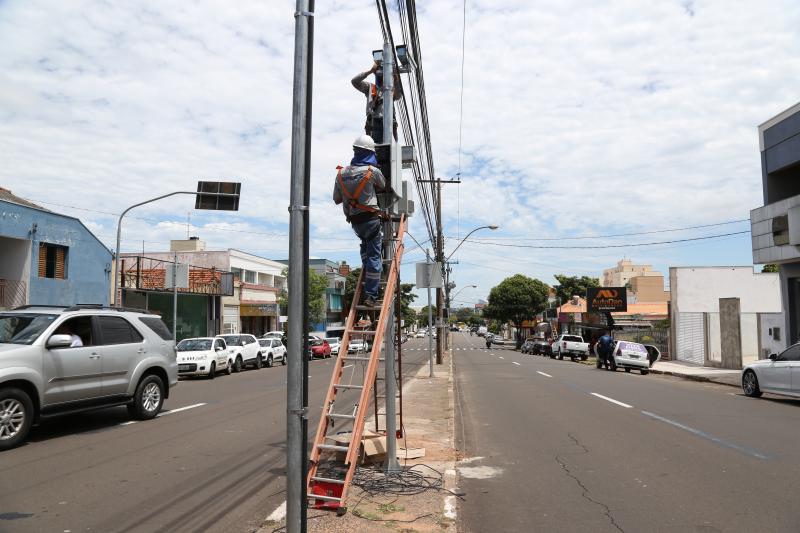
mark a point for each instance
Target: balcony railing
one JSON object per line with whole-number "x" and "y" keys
{"x": 12, "y": 293}
{"x": 149, "y": 274}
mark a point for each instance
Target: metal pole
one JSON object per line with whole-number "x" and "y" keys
{"x": 388, "y": 347}
{"x": 430, "y": 313}
{"x": 295, "y": 469}
{"x": 440, "y": 259}
{"x": 175, "y": 298}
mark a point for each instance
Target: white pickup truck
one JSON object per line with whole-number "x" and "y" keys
{"x": 571, "y": 346}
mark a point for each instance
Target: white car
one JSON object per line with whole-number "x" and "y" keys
{"x": 773, "y": 375}
{"x": 358, "y": 345}
{"x": 335, "y": 343}
{"x": 278, "y": 334}
{"x": 419, "y": 335}
{"x": 272, "y": 350}
{"x": 203, "y": 356}
{"x": 244, "y": 350}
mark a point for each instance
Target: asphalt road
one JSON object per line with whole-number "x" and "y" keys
{"x": 214, "y": 461}
{"x": 560, "y": 446}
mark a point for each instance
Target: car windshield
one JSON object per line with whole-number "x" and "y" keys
{"x": 572, "y": 338}
{"x": 265, "y": 342}
{"x": 231, "y": 339}
{"x": 23, "y": 328}
{"x": 194, "y": 345}
{"x": 315, "y": 342}
{"x": 332, "y": 339}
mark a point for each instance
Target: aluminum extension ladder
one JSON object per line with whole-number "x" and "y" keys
{"x": 335, "y": 453}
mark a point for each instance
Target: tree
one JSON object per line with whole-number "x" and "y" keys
{"x": 463, "y": 314}
{"x": 317, "y": 305}
{"x": 406, "y": 294}
{"x": 422, "y": 316}
{"x": 516, "y": 299}
{"x": 770, "y": 267}
{"x": 569, "y": 286}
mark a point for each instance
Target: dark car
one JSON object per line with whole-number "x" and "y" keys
{"x": 541, "y": 347}
{"x": 527, "y": 346}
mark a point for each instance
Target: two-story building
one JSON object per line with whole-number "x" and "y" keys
{"x": 775, "y": 227}
{"x": 49, "y": 259}
{"x": 335, "y": 313}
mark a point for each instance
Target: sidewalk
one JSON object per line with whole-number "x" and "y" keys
{"x": 428, "y": 419}
{"x": 698, "y": 373}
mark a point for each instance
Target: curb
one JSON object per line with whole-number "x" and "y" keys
{"x": 690, "y": 377}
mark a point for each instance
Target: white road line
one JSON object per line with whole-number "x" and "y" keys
{"x": 515, "y": 363}
{"x": 278, "y": 514}
{"x": 501, "y": 357}
{"x": 128, "y": 423}
{"x": 545, "y": 375}
{"x": 179, "y": 409}
{"x": 347, "y": 366}
{"x": 612, "y": 400}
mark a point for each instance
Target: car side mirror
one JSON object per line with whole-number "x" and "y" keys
{"x": 773, "y": 356}
{"x": 59, "y": 341}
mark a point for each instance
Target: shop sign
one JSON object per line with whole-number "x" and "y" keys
{"x": 607, "y": 299}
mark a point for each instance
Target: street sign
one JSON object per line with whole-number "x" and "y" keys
{"x": 606, "y": 299}
{"x": 229, "y": 202}
{"x": 181, "y": 276}
{"x": 429, "y": 275}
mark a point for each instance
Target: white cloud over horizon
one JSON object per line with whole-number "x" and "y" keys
{"x": 579, "y": 118}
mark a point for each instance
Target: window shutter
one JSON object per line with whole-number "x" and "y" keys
{"x": 60, "y": 256}
{"x": 42, "y": 260}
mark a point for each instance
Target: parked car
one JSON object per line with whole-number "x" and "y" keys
{"x": 203, "y": 356}
{"x": 272, "y": 350}
{"x": 275, "y": 334}
{"x": 628, "y": 355}
{"x": 358, "y": 345}
{"x": 59, "y": 360}
{"x": 245, "y": 351}
{"x": 420, "y": 334}
{"x": 541, "y": 347}
{"x": 482, "y": 330}
{"x": 571, "y": 346}
{"x": 527, "y": 346}
{"x": 335, "y": 343}
{"x": 318, "y": 348}
{"x": 774, "y": 374}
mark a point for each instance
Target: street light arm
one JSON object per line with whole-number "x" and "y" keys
{"x": 492, "y": 227}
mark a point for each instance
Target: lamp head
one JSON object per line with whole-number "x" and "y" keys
{"x": 493, "y": 227}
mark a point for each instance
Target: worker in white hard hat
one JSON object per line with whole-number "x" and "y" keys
{"x": 355, "y": 188}
{"x": 374, "y": 94}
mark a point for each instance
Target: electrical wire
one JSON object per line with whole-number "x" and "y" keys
{"x": 604, "y": 246}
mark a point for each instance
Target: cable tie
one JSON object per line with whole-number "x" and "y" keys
{"x": 302, "y": 412}
{"x": 303, "y": 14}
{"x": 298, "y": 208}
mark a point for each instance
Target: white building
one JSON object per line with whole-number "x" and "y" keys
{"x": 620, "y": 275}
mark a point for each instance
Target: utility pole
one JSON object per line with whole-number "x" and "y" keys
{"x": 388, "y": 238}
{"x": 175, "y": 298}
{"x": 440, "y": 260}
{"x": 296, "y": 393}
{"x": 430, "y": 312}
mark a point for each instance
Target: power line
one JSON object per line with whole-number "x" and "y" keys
{"x": 604, "y": 246}
{"x": 581, "y": 237}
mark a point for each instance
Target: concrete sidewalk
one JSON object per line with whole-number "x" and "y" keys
{"x": 428, "y": 420}
{"x": 698, "y": 373}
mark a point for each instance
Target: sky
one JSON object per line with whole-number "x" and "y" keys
{"x": 579, "y": 119}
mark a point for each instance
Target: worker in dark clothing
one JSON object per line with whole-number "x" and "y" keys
{"x": 355, "y": 189}
{"x": 604, "y": 346}
{"x": 374, "y": 94}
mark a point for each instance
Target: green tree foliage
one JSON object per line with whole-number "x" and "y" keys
{"x": 463, "y": 314}
{"x": 771, "y": 267}
{"x": 569, "y": 286}
{"x": 516, "y": 299}
{"x": 406, "y": 295}
{"x": 317, "y": 305}
{"x": 422, "y": 316}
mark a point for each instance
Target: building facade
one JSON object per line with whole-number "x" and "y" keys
{"x": 620, "y": 275}
{"x": 49, "y": 259}
{"x": 775, "y": 227}
{"x": 335, "y": 313}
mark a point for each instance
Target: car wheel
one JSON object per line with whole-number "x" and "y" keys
{"x": 229, "y": 368}
{"x": 552, "y": 356}
{"x": 644, "y": 371}
{"x": 560, "y": 356}
{"x": 148, "y": 398}
{"x": 613, "y": 364}
{"x": 283, "y": 361}
{"x": 237, "y": 366}
{"x": 750, "y": 384}
{"x": 16, "y": 417}
{"x": 259, "y": 363}
{"x": 584, "y": 357}
{"x": 269, "y": 361}
{"x": 628, "y": 370}
{"x": 212, "y": 371}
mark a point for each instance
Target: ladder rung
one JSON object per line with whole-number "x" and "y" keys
{"x": 342, "y": 417}
{"x": 358, "y": 358}
{"x": 326, "y": 498}
{"x": 349, "y": 386}
{"x": 327, "y": 480}
{"x": 377, "y": 307}
{"x": 333, "y": 447}
{"x": 361, "y": 331}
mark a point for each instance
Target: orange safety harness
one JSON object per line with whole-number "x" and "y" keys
{"x": 352, "y": 199}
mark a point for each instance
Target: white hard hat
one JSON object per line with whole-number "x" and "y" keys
{"x": 365, "y": 142}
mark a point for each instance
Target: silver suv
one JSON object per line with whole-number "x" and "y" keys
{"x": 60, "y": 360}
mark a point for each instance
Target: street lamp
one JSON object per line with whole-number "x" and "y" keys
{"x": 214, "y": 195}
{"x": 490, "y": 226}
{"x": 462, "y": 288}
{"x": 430, "y": 311}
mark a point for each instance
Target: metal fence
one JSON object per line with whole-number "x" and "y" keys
{"x": 148, "y": 274}
{"x": 658, "y": 337}
{"x": 12, "y": 293}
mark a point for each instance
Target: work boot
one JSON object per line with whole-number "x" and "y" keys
{"x": 370, "y": 301}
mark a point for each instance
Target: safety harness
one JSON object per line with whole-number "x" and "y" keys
{"x": 352, "y": 199}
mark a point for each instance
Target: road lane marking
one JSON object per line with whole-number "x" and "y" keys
{"x": 179, "y": 409}
{"x": 515, "y": 363}
{"x": 703, "y": 434}
{"x": 500, "y": 356}
{"x": 612, "y": 400}
{"x": 128, "y": 423}
{"x": 545, "y": 375}
{"x": 278, "y": 514}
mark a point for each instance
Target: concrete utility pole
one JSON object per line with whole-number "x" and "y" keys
{"x": 296, "y": 394}
{"x": 439, "y": 259}
{"x": 388, "y": 239}
{"x": 430, "y": 312}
